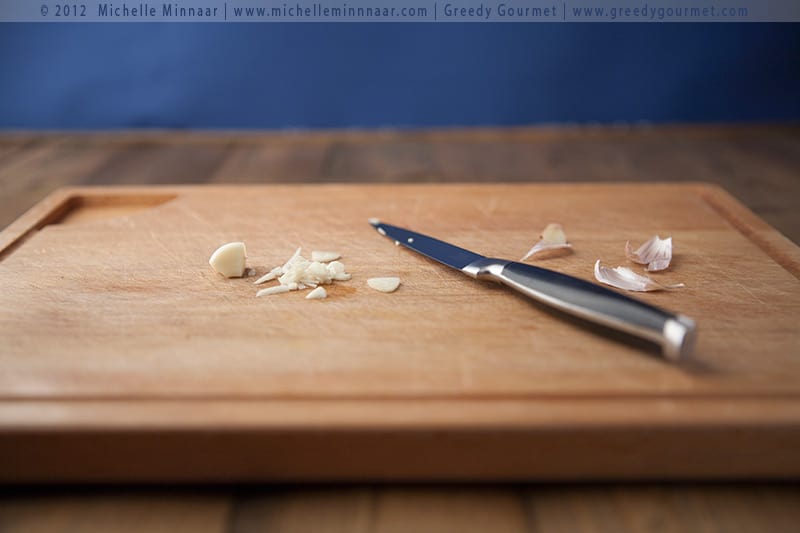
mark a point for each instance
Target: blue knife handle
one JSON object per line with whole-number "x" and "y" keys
{"x": 676, "y": 334}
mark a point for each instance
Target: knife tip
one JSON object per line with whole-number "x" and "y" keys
{"x": 377, "y": 225}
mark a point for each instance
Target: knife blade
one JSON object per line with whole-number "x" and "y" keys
{"x": 676, "y": 334}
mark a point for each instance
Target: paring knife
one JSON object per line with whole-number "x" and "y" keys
{"x": 675, "y": 333}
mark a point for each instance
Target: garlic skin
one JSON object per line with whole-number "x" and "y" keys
{"x": 656, "y": 253}
{"x": 229, "y": 259}
{"x": 554, "y": 234}
{"x": 384, "y": 284}
{"x": 317, "y": 294}
{"x": 552, "y": 238}
{"x": 626, "y": 279}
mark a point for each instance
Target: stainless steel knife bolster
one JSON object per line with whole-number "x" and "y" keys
{"x": 675, "y": 333}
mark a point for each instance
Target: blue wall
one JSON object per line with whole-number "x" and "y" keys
{"x": 348, "y": 75}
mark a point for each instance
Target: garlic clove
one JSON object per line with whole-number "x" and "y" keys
{"x": 384, "y": 284}
{"x": 627, "y": 279}
{"x": 229, "y": 259}
{"x": 552, "y": 238}
{"x": 324, "y": 257}
{"x": 656, "y": 253}
{"x": 317, "y": 294}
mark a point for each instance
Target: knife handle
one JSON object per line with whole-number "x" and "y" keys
{"x": 676, "y": 334}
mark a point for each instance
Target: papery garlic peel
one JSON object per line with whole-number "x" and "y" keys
{"x": 656, "y": 253}
{"x": 552, "y": 238}
{"x": 626, "y": 279}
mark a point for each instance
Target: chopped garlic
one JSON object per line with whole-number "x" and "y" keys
{"x": 317, "y": 294}
{"x": 316, "y": 270}
{"x": 336, "y": 271}
{"x": 325, "y": 257}
{"x": 656, "y": 253}
{"x": 552, "y": 238}
{"x": 292, "y": 259}
{"x": 277, "y": 289}
{"x": 300, "y": 273}
{"x": 625, "y": 278}
{"x": 384, "y": 284}
{"x": 229, "y": 259}
{"x": 269, "y": 276}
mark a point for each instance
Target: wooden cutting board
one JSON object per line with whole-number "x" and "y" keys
{"x": 125, "y": 357}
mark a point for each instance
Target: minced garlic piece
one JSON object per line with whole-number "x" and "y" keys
{"x": 325, "y": 257}
{"x": 300, "y": 273}
{"x": 384, "y": 284}
{"x": 317, "y": 294}
{"x": 269, "y": 276}
{"x": 277, "y": 289}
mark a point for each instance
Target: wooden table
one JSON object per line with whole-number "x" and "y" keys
{"x": 758, "y": 164}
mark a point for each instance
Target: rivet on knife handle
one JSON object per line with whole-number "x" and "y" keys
{"x": 676, "y": 334}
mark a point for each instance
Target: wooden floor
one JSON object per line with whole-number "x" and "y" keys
{"x": 758, "y": 164}
{"x": 418, "y": 509}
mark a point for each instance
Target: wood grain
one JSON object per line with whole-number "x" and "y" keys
{"x": 345, "y": 510}
{"x": 458, "y": 510}
{"x": 758, "y": 164}
{"x": 96, "y": 512}
{"x": 360, "y": 388}
{"x": 746, "y": 508}
{"x": 667, "y": 508}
